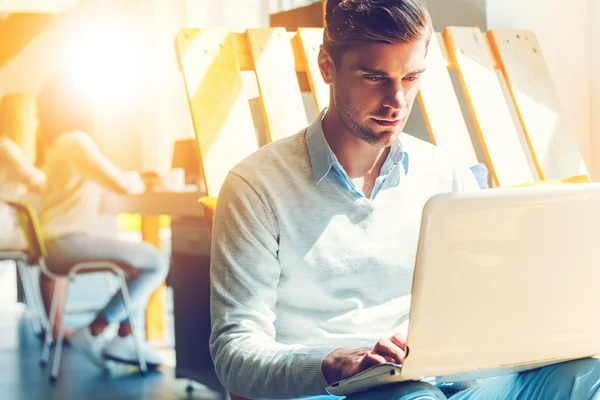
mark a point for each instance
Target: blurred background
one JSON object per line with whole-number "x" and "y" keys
{"x": 123, "y": 52}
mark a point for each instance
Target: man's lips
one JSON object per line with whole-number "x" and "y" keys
{"x": 387, "y": 122}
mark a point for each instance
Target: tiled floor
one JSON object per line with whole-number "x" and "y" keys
{"x": 22, "y": 378}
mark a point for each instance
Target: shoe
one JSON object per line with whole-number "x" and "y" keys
{"x": 122, "y": 350}
{"x": 92, "y": 346}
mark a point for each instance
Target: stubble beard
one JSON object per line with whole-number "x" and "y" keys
{"x": 350, "y": 115}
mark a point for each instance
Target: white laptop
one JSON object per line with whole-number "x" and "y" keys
{"x": 505, "y": 280}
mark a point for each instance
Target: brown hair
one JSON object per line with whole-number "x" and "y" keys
{"x": 355, "y": 22}
{"x": 63, "y": 107}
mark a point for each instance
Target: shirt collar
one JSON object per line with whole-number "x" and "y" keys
{"x": 323, "y": 159}
{"x": 396, "y": 156}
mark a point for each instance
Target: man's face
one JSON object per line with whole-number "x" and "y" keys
{"x": 374, "y": 87}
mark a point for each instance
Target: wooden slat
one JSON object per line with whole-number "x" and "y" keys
{"x": 219, "y": 106}
{"x": 441, "y": 110}
{"x": 303, "y": 81}
{"x": 491, "y": 52}
{"x": 18, "y": 30}
{"x": 555, "y": 153}
{"x": 450, "y": 61}
{"x": 310, "y": 40}
{"x": 443, "y": 49}
{"x": 274, "y": 64}
{"x": 242, "y": 50}
{"x": 156, "y": 311}
{"x": 310, "y": 16}
{"x": 240, "y": 43}
{"x": 491, "y": 115}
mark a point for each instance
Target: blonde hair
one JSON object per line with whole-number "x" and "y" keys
{"x": 18, "y": 122}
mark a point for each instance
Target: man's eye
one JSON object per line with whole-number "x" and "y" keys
{"x": 411, "y": 78}
{"x": 373, "y": 78}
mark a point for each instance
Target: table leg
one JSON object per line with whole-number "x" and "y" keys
{"x": 156, "y": 321}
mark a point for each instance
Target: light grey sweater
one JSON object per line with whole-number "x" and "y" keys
{"x": 299, "y": 269}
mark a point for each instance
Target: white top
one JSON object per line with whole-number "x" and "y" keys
{"x": 77, "y": 174}
{"x": 16, "y": 173}
{"x": 300, "y": 268}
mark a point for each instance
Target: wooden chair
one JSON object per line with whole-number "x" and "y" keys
{"x": 32, "y": 297}
{"x": 534, "y": 145}
{"x": 531, "y": 147}
{"x": 517, "y": 118}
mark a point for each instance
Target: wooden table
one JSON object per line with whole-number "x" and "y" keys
{"x": 150, "y": 206}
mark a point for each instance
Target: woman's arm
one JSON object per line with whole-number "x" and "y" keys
{"x": 26, "y": 172}
{"x": 96, "y": 166}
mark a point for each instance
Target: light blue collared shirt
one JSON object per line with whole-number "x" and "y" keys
{"x": 325, "y": 162}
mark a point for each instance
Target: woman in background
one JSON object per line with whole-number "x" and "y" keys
{"x": 18, "y": 175}
{"x": 77, "y": 175}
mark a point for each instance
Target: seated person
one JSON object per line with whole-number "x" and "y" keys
{"x": 315, "y": 236}
{"x": 77, "y": 175}
{"x": 18, "y": 175}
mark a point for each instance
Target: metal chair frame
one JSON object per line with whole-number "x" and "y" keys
{"x": 37, "y": 252}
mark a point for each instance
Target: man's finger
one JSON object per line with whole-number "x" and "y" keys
{"x": 385, "y": 347}
{"x": 399, "y": 340}
{"x": 389, "y": 359}
{"x": 370, "y": 359}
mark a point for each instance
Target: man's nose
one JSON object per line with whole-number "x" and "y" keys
{"x": 395, "y": 98}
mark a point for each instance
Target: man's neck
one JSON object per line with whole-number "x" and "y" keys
{"x": 359, "y": 158}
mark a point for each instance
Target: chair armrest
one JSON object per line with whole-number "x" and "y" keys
{"x": 209, "y": 204}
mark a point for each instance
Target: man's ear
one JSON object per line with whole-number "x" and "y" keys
{"x": 326, "y": 66}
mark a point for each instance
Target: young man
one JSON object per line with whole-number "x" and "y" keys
{"x": 315, "y": 236}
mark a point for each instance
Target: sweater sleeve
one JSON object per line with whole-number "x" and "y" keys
{"x": 244, "y": 274}
{"x": 96, "y": 166}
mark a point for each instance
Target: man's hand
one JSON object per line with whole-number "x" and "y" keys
{"x": 344, "y": 363}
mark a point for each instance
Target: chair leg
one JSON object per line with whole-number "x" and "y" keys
{"x": 59, "y": 340}
{"x": 136, "y": 340}
{"x": 30, "y": 302}
{"x": 50, "y": 327}
{"x": 111, "y": 286}
{"x": 34, "y": 276}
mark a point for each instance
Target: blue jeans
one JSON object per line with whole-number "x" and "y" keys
{"x": 145, "y": 267}
{"x": 577, "y": 380}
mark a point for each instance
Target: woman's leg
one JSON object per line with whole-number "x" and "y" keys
{"x": 147, "y": 270}
{"x": 141, "y": 283}
{"x": 145, "y": 267}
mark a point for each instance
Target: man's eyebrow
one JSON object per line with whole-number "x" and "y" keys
{"x": 385, "y": 74}
{"x": 373, "y": 71}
